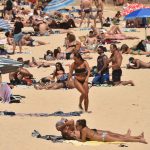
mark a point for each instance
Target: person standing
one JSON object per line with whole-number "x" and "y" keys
{"x": 81, "y": 77}
{"x": 17, "y": 34}
{"x": 86, "y": 9}
{"x": 99, "y": 14}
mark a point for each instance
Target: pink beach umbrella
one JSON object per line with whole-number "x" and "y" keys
{"x": 132, "y": 7}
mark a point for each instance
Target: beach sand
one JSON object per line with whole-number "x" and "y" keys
{"x": 113, "y": 108}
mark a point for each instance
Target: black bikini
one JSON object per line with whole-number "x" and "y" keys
{"x": 81, "y": 71}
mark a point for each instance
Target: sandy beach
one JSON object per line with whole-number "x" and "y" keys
{"x": 113, "y": 108}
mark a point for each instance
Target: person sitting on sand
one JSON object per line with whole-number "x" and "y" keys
{"x": 62, "y": 55}
{"x": 91, "y": 41}
{"x": 116, "y": 59}
{"x": 72, "y": 45}
{"x": 88, "y": 134}
{"x": 126, "y": 50}
{"x": 137, "y": 64}
{"x": 60, "y": 75}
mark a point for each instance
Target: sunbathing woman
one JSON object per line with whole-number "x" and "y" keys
{"x": 114, "y": 33}
{"x": 82, "y": 73}
{"x": 61, "y": 55}
{"x": 126, "y": 50}
{"x": 34, "y": 63}
{"x": 73, "y": 46}
{"x": 69, "y": 131}
{"x": 87, "y": 133}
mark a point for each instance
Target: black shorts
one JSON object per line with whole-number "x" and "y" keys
{"x": 87, "y": 11}
{"x": 68, "y": 55}
{"x": 116, "y": 75}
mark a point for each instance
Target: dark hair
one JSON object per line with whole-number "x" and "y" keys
{"x": 78, "y": 55}
{"x": 61, "y": 67}
{"x": 103, "y": 48}
{"x": 82, "y": 122}
{"x": 56, "y": 51}
{"x": 49, "y": 52}
{"x": 35, "y": 12}
{"x": 114, "y": 46}
{"x": 7, "y": 33}
{"x": 71, "y": 38}
{"x": 91, "y": 31}
{"x": 20, "y": 59}
{"x": 148, "y": 38}
{"x": 124, "y": 47}
{"x": 131, "y": 59}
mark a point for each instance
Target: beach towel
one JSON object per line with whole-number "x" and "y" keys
{"x": 5, "y": 92}
{"x": 57, "y": 113}
{"x": 59, "y": 139}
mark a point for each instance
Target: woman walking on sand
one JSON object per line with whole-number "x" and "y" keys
{"x": 82, "y": 73}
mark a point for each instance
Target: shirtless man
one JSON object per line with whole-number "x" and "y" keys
{"x": 137, "y": 64}
{"x": 99, "y": 14}
{"x": 116, "y": 59}
{"x": 91, "y": 41}
{"x": 91, "y": 135}
{"x": 86, "y": 9}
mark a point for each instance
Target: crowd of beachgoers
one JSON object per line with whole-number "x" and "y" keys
{"x": 107, "y": 71}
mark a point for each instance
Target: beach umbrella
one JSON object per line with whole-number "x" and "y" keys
{"x": 8, "y": 65}
{"x": 4, "y": 24}
{"x": 141, "y": 13}
{"x": 131, "y": 7}
{"x": 57, "y": 4}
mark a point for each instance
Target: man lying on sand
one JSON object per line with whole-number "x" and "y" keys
{"x": 81, "y": 132}
{"x": 137, "y": 64}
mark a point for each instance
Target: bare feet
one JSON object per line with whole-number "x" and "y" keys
{"x": 37, "y": 87}
{"x": 142, "y": 140}
{"x": 80, "y": 106}
{"x": 128, "y": 133}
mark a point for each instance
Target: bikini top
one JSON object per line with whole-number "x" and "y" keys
{"x": 80, "y": 70}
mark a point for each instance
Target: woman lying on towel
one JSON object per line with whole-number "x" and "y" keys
{"x": 70, "y": 131}
{"x": 126, "y": 50}
{"x": 34, "y": 63}
{"x": 61, "y": 55}
{"x": 114, "y": 33}
{"x": 88, "y": 134}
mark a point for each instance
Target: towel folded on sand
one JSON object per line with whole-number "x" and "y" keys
{"x": 57, "y": 113}
{"x": 59, "y": 139}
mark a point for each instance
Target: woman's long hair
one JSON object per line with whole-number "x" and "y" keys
{"x": 56, "y": 51}
{"x": 61, "y": 67}
{"x": 78, "y": 55}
